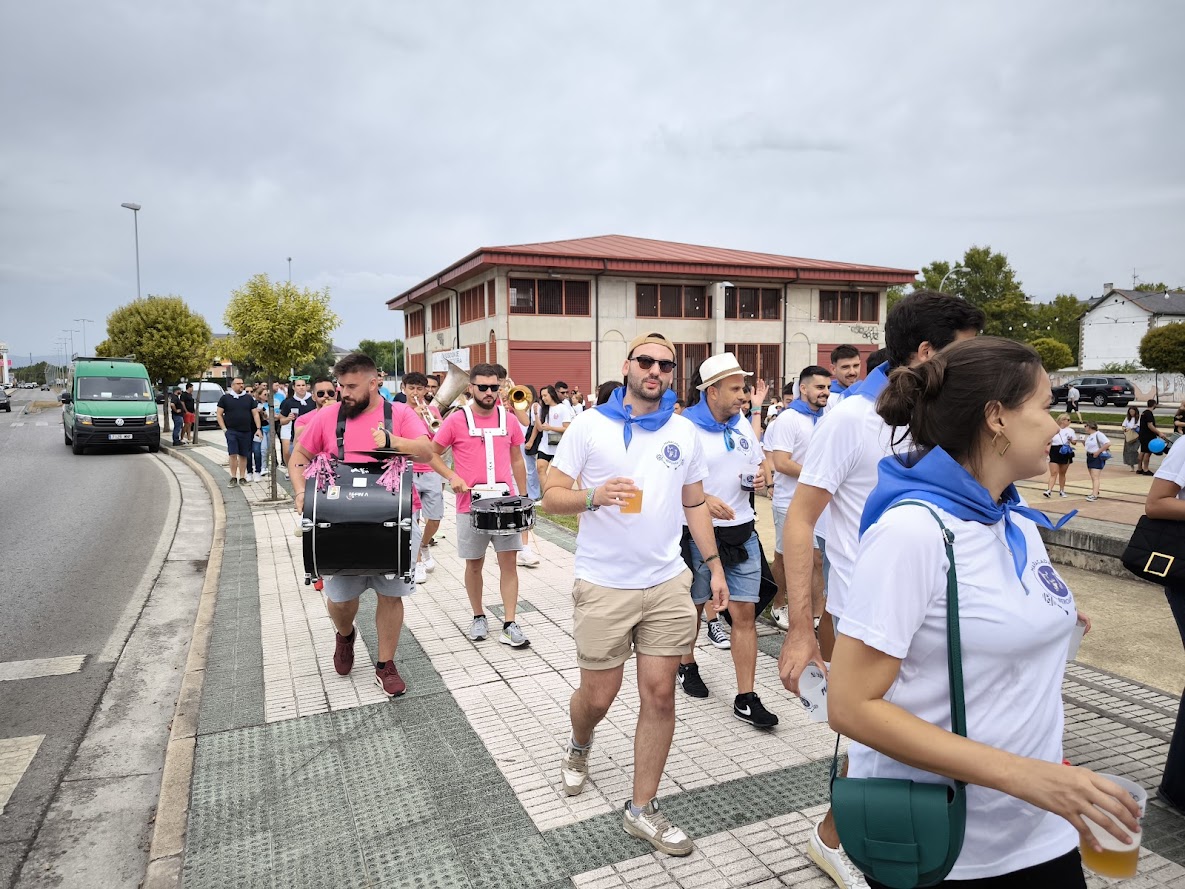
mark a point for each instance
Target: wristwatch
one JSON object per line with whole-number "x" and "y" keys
{"x": 588, "y": 500}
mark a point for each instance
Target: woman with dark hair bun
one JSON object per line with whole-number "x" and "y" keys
{"x": 978, "y": 417}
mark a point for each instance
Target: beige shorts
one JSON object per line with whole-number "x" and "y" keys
{"x": 609, "y": 623}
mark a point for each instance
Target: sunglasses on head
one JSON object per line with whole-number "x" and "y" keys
{"x": 487, "y": 387}
{"x": 321, "y": 393}
{"x": 646, "y": 362}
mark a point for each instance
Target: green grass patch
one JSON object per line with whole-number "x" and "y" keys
{"x": 564, "y": 521}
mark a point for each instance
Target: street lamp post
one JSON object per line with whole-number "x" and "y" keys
{"x": 953, "y": 269}
{"x": 135, "y": 208}
{"x": 84, "y": 322}
{"x": 71, "y": 333}
{"x": 289, "y": 269}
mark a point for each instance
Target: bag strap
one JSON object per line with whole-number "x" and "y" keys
{"x": 341, "y": 426}
{"x": 954, "y": 651}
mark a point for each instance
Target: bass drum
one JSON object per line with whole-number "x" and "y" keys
{"x": 357, "y": 526}
{"x": 502, "y": 516}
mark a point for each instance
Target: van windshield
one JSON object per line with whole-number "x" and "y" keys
{"x": 209, "y": 396}
{"x": 113, "y": 389}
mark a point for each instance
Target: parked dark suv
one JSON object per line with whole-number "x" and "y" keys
{"x": 1098, "y": 390}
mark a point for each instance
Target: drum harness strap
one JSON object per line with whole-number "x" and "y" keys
{"x": 488, "y": 435}
{"x": 341, "y": 427}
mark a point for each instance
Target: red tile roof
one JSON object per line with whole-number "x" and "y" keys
{"x": 644, "y": 257}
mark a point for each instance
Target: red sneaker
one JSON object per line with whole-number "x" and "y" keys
{"x": 387, "y": 678}
{"x": 343, "y": 652}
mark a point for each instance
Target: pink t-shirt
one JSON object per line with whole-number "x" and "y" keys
{"x": 320, "y": 433}
{"x": 469, "y": 451}
{"x": 424, "y": 467}
{"x": 304, "y": 419}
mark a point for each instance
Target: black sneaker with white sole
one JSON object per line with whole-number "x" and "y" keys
{"x": 748, "y": 708}
{"x": 690, "y": 681}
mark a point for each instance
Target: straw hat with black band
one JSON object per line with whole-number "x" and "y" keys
{"x": 718, "y": 367}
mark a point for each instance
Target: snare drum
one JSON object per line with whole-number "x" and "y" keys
{"x": 502, "y": 516}
{"x": 356, "y": 526}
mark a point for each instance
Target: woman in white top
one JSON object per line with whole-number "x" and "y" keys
{"x": 979, "y": 413}
{"x": 1131, "y": 439}
{"x": 1098, "y": 450}
{"x": 1166, "y": 500}
{"x": 1061, "y": 455}
{"x": 555, "y": 416}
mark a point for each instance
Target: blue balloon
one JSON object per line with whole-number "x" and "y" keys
{"x": 1156, "y": 446}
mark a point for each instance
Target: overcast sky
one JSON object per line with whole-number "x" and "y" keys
{"x": 375, "y": 143}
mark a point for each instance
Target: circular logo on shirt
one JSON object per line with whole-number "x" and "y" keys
{"x": 671, "y": 452}
{"x": 1050, "y": 580}
{"x": 743, "y": 443}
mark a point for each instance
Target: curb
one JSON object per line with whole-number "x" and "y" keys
{"x": 172, "y": 808}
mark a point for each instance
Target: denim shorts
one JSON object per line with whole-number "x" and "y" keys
{"x": 238, "y": 444}
{"x": 744, "y": 580}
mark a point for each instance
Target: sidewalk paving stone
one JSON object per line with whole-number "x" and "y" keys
{"x": 306, "y": 778}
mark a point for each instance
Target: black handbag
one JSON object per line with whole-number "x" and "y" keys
{"x": 906, "y": 833}
{"x": 1156, "y": 551}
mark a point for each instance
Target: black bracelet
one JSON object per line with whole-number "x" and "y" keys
{"x": 697, "y": 505}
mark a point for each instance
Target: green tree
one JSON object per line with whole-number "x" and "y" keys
{"x": 1059, "y": 319}
{"x": 1159, "y": 287}
{"x": 387, "y": 354}
{"x": 1054, "y": 353}
{"x": 892, "y": 297}
{"x": 321, "y": 366}
{"x": 1163, "y": 349}
{"x": 277, "y": 326}
{"x": 987, "y": 280}
{"x": 169, "y": 339}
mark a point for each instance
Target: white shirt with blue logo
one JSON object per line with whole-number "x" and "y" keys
{"x": 725, "y": 467}
{"x": 1014, "y": 635}
{"x": 631, "y": 551}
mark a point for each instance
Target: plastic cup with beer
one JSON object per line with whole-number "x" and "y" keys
{"x": 748, "y": 481}
{"x": 1076, "y": 640}
{"x": 633, "y": 502}
{"x": 812, "y": 691}
{"x": 1117, "y": 859}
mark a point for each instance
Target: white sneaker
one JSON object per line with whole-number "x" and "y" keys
{"x": 527, "y": 558}
{"x": 421, "y": 575}
{"x": 781, "y": 617}
{"x": 259, "y": 476}
{"x": 429, "y": 563}
{"x": 574, "y": 768}
{"x": 834, "y": 863}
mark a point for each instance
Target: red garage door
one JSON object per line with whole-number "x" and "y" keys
{"x": 542, "y": 364}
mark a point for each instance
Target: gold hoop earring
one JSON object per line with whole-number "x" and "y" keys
{"x": 1001, "y": 451}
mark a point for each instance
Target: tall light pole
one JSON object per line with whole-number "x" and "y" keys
{"x": 135, "y": 208}
{"x": 956, "y": 268}
{"x": 84, "y": 322}
{"x": 71, "y": 335}
{"x": 289, "y": 269}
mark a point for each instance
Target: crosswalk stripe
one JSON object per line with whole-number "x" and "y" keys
{"x": 15, "y": 756}
{"x": 37, "y": 667}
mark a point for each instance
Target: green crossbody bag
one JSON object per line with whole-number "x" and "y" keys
{"x": 908, "y": 833}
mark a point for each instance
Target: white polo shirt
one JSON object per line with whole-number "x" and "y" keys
{"x": 725, "y": 468}
{"x": 631, "y": 551}
{"x": 1173, "y": 468}
{"x": 845, "y": 449}
{"x": 1013, "y": 633}
{"x": 791, "y": 434}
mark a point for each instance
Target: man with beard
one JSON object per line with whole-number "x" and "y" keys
{"x": 364, "y": 411}
{"x": 640, "y": 470}
{"x": 485, "y": 439}
{"x": 323, "y": 393}
{"x": 786, "y": 442}
{"x": 845, "y": 370}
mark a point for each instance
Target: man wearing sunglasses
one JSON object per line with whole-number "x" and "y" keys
{"x": 323, "y": 393}
{"x": 640, "y": 470}
{"x": 485, "y": 439}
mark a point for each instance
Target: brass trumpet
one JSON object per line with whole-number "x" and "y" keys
{"x": 421, "y": 408}
{"x": 520, "y": 398}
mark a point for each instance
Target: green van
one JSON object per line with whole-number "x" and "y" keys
{"x": 109, "y": 401}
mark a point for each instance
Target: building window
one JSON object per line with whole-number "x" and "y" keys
{"x": 415, "y": 361}
{"x": 477, "y": 354}
{"x": 763, "y": 360}
{"x": 688, "y": 357}
{"x": 492, "y": 348}
{"x": 471, "y": 304}
{"x": 753, "y": 303}
{"x": 672, "y": 301}
{"x": 849, "y": 305}
{"x": 548, "y": 296}
{"x": 492, "y": 309}
{"x": 414, "y": 322}
{"x": 441, "y": 317}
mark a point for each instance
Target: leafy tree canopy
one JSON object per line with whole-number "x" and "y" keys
{"x": 1054, "y": 353}
{"x": 277, "y": 326}
{"x": 1163, "y": 349}
{"x": 387, "y": 354}
{"x": 169, "y": 339}
{"x": 1160, "y": 287}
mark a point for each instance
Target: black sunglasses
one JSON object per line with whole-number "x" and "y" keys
{"x": 487, "y": 387}
{"x": 646, "y": 362}
{"x": 321, "y": 393}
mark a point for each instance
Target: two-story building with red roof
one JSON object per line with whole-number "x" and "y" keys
{"x": 566, "y": 310}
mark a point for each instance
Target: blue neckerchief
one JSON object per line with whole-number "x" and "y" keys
{"x": 801, "y": 407}
{"x": 616, "y": 409}
{"x": 837, "y": 388}
{"x": 870, "y": 387}
{"x": 701, "y": 415}
{"x": 935, "y": 477}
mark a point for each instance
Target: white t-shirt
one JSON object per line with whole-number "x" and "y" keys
{"x": 791, "y": 434}
{"x": 557, "y": 415}
{"x": 1073, "y": 394}
{"x": 725, "y": 468}
{"x": 1095, "y": 442}
{"x": 1013, "y": 637}
{"x": 1173, "y": 468}
{"x": 845, "y": 449}
{"x": 1063, "y": 437}
{"x": 632, "y": 551}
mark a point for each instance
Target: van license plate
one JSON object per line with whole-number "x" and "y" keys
{"x": 122, "y": 436}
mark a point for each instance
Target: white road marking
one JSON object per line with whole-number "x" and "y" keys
{"x": 15, "y": 756}
{"x": 18, "y": 424}
{"x": 42, "y": 424}
{"x": 11, "y": 671}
